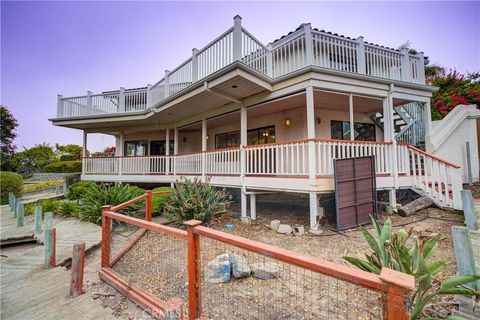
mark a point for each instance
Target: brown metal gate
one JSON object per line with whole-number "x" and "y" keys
{"x": 355, "y": 191}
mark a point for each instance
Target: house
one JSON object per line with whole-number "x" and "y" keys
{"x": 272, "y": 118}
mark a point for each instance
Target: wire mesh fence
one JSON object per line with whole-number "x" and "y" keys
{"x": 240, "y": 284}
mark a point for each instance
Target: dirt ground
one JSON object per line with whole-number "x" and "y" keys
{"x": 159, "y": 270}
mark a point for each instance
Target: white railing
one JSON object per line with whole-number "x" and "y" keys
{"x": 437, "y": 178}
{"x": 225, "y": 161}
{"x": 143, "y": 165}
{"x": 100, "y": 165}
{"x": 334, "y": 52}
{"x": 188, "y": 164}
{"x": 289, "y": 158}
{"x": 299, "y": 49}
{"x": 327, "y": 150}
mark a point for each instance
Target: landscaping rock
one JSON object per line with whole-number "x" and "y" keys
{"x": 265, "y": 270}
{"x": 218, "y": 270}
{"x": 315, "y": 231}
{"x": 240, "y": 266}
{"x": 298, "y": 230}
{"x": 275, "y": 224}
{"x": 284, "y": 229}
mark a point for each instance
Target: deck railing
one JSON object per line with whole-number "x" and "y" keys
{"x": 304, "y": 47}
{"x": 172, "y": 278}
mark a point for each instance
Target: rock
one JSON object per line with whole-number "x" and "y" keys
{"x": 275, "y": 224}
{"x": 284, "y": 229}
{"x": 265, "y": 270}
{"x": 240, "y": 266}
{"x": 298, "y": 230}
{"x": 315, "y": 231}
{"x": 218, "y": 270}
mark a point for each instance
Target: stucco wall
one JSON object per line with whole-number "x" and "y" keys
{"x": 454, "y": 147}
{"x": 190, "y": 141}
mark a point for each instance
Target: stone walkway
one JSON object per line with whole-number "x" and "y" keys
{"x": 29, "y": 291}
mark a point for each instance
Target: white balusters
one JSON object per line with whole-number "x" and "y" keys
{"x": 334, "y": 52}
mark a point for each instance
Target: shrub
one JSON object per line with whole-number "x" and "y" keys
{"x": 64, "y": 167}
{"x": 68, "y": 157}
{"x": 75, "y": 191}
{"x": 392, "y": 250}
{"x": 10, "y": 182}
{"x": 68, "y": 208}
{"x": 195, "y": 200}
{"x": 99, "y": 195}
{"x": 42, "y": 185}
{"x": 49, "y": 205}
{"x": 158, "y": 200}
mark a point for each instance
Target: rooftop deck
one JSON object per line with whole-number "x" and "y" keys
{"x": 302, "y": 48}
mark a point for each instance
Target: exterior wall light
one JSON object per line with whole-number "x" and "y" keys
{"x": 288, "y": 122}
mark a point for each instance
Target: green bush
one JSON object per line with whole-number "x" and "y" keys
{"x": 195, "y": 200}
{"x": 42, "y": 185}
{"x": 49, "y": 205}
{"x": 10, "y": 182}
{"x": 99, "y": 195}
{"x": 158, "y": 200}
{"x": 75, "y": 191}
{"x": 68, "y": 157}
{"x": 68, "y": 208}
{"x": 64, "y": 167}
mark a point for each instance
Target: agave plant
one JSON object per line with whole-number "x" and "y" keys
{"x": 392, "y": 250}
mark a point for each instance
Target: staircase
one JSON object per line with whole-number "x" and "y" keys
{"x": 408, "y": 122}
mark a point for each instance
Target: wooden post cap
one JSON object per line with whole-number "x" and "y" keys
{"x": 192, "y": 223}
{"x": 398, "y": 278}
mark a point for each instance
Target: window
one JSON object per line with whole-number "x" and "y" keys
{"x": 254, "y": 136}
{"x": 157, "y": 147}
{"x": 136, "y": 148}
{"x": 340, "y": 130}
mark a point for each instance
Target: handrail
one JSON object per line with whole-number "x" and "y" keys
{"x": 215, "y": 40}
{"x": 433, "y": 156}
{"x": 127, "y": 203}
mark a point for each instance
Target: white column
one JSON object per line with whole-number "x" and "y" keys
{"x": 361, "y": 66}
{"x": 175, "y": 150}
{"x": 421, "y": 67}
{"x": 386, "y": 121}
{"x": 406, "y": 70}
{"x": 149, "y": 96}
{"x": 89, "y": 99}
{"x": 204, "y": 145}
{"x": 311, "y": 132}
{"x": 253, "y": 206}
{"x": 307, "y": 28}
{"x": 121, "y": 153}
{"x": 352, "y": 123}
{"x": 194, "y": 65}
{"x": 269, "y": 61}
{"x": 167, "y": 151}
{"x": 243, "y": 139}
{"x": 121, "y": 100}
{"x": 427, "y": 109}
{"x": 84, "y": 150}
{"x": 394, "y": 156}
{"x": 237, "y": 38}
{"x": 243, "y": 203}
{"x": 60, "y": 112}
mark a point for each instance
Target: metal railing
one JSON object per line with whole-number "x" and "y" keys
{"x": 304, "y": 47}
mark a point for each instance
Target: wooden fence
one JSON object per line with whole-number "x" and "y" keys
{"x": 307, "y": 287}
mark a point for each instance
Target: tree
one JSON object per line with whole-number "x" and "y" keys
{"x": 35, "y": 158}
{"x": 8, "y": 125}
{"x": 69, "y": 151}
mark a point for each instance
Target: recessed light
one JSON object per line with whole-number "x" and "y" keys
{"x": 234, "y": 86}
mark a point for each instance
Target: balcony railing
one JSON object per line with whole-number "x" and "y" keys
{"x": 304, "y": 47}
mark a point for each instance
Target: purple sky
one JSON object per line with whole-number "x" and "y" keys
{"x": 50, "y": 48}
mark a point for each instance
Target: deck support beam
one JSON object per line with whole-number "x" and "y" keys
{"x": 253, "y": 206}
{"x": 243, "y": 203}
{"x": 314, "y": 212}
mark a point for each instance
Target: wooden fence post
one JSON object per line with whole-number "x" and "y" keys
{"x": 106, "y": 231}
{"x": 78, "y": 263}
{"x": 401, "y": 285}
{"x": 37, "y": 229}
{"x": 10, "y": 200}
{"x": 194, "y": 271}
{"x": 50, "y": 247}
{"x": 15, "y": 203}
{"x": 20, "y": 215}
{"x": 48, "y": 220}
{"x": 148, "y": 205}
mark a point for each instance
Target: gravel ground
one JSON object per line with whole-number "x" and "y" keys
{"x": 157, "y": 264}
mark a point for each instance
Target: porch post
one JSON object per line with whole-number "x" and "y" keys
{"x": 253, "y": 206}
{"x": 386, "y": 121}
{"x": 175, "y": 149}
{"x": 311, "y": 132}
{"x": 237, "y": 38}
{"x": 243, "y": 139}
{"x": 121, "y": 153}
{"x": 352, "y": 124}
{"x": 204, "y": 145}
{"x": 167, "y": 151}
{"x": 84, "y": 150}
{"x": 394, "y": 162}
{"x": 427, "y": 109}
{"x": 121, "y": 100}
{"x": 314, "y": 212}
